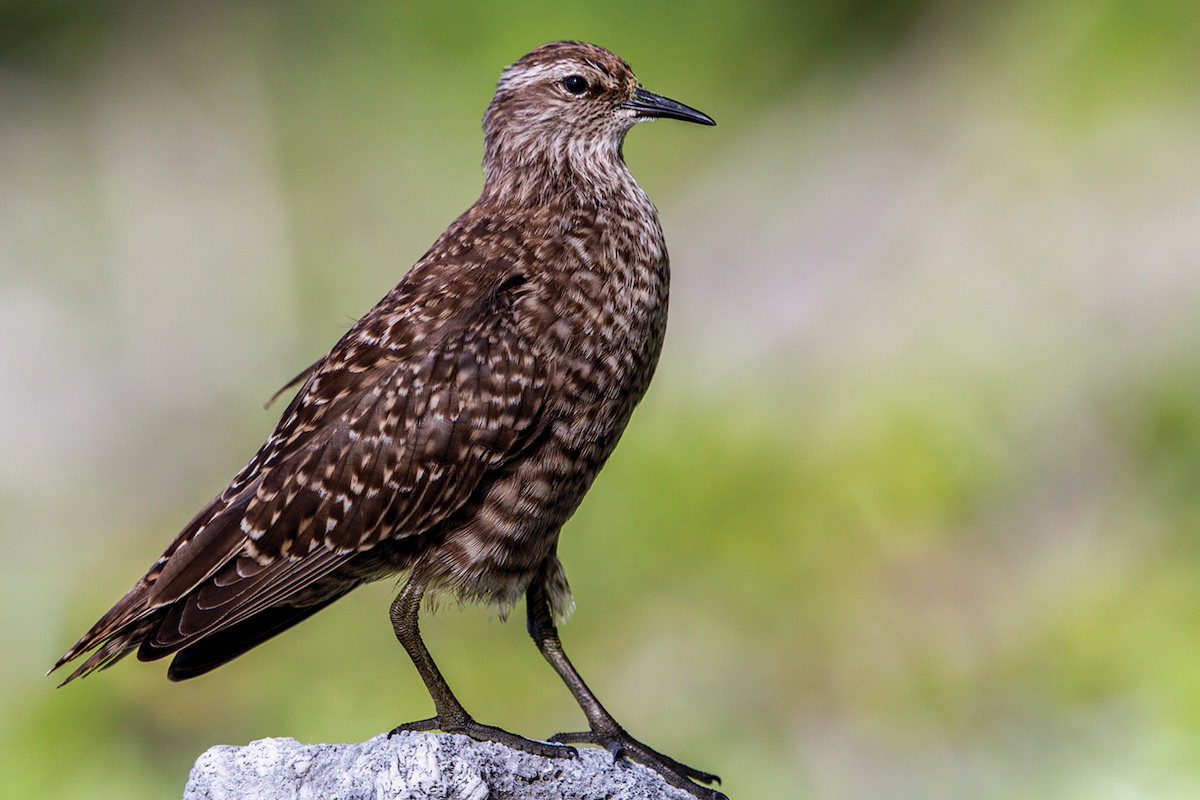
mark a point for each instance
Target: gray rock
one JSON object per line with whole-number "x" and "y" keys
{"x": 415, "y": 766}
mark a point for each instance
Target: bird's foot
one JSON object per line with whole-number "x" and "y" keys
{"x": 622, "y": 745}
{"x": 488, "y": 733}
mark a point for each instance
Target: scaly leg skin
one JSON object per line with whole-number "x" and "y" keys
{"x": 605, "y": 730}
{"x": 450, "y": 717}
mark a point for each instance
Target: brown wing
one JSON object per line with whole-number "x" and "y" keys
{"x": 391, "y": 433}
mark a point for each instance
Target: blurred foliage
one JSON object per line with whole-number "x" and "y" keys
{"x": 866, "y": 581}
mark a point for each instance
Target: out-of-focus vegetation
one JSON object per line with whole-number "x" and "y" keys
{"x": 911, "y": 511}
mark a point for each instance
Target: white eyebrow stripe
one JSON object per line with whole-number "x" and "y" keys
{"x": 519, "y": 77}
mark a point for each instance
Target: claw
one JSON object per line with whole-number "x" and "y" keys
{"x": 623, "y": 746}
{"x": 619, "y": 753}
{"x": 610, "y": 743}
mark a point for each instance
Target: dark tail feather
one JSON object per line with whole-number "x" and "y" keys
{"x": 110, "y": 648}
{"x": 117, "y": 633}
{"x": 225, "y": 645}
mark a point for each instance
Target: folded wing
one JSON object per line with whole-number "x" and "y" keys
{"x": 383, "y": 442}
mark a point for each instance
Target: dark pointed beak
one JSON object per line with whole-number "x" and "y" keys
{"x": 650, "y": 105}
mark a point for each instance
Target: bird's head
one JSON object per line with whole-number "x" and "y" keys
{"x": 565, "y": 108}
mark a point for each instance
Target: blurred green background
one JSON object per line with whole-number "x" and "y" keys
{"x": 910, "y": 512}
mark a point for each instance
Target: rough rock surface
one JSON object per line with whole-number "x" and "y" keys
{"x": 415, "y": 766}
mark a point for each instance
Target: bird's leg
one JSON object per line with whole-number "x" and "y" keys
{"x": 450, "y": 717}
{"x": 605, "y": 730}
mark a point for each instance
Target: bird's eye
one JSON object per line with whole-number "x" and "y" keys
{"x": 575, "y": 84}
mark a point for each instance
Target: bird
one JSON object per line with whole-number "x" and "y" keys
{"x": 452, "y": 431}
